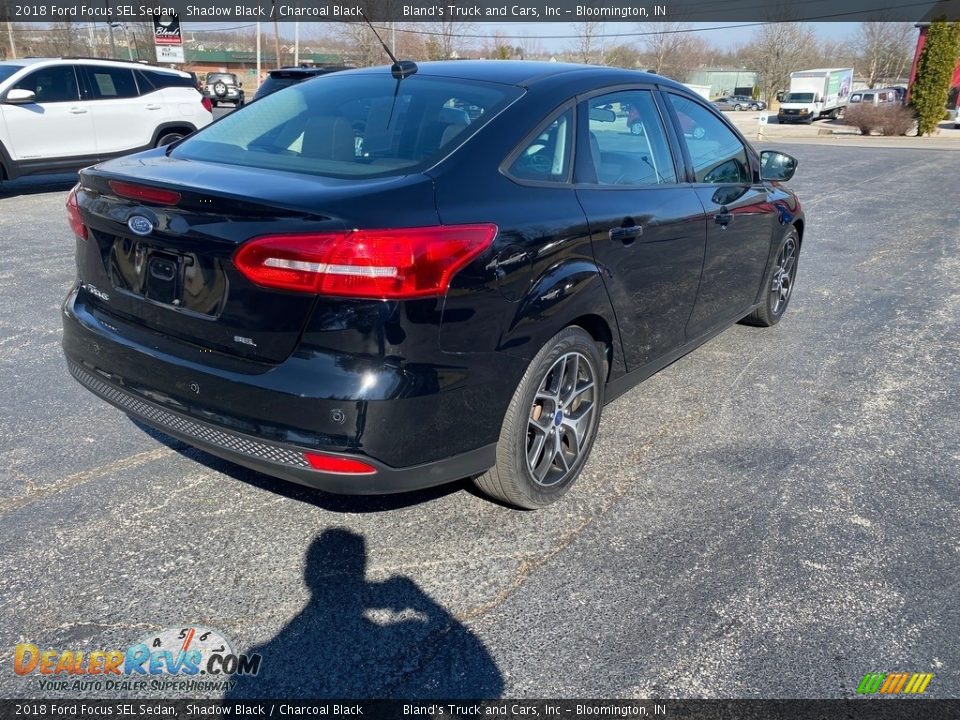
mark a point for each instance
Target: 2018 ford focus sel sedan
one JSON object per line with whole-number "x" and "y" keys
{"x": 377, "y": 281}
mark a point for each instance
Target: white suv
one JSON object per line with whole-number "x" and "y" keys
{"x": 59, "y": 114}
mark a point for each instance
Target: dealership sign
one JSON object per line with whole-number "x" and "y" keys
{"x": 167, "y": 39}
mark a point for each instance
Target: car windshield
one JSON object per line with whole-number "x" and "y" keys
{"x": 798, "y": 97}
{"x": 352, "y": 126}
{"x": 8, "y": 69}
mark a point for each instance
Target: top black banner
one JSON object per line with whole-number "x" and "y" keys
{"x": 608, "y": 11}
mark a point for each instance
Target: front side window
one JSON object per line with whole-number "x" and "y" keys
{"x": 547, "y": 157}
{"x": 111, "y": 83}
{"x": 716, "y": 152}
{"x": 52, "y": 84}
{"x": 351, "y": 126}
{"x": 628, "y": 145}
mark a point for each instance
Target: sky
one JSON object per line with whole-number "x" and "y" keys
{"x": 721, "y": 35}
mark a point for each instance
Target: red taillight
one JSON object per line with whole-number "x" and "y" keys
{"x": 73, "y": 214}
{"x": 338, "y": 464}
{"x": 144, "y": 193}
{"x": 207, "y": 104}
{"x": 381, "y": 264}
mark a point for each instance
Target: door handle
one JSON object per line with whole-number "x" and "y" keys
{"x": 723, "y": 218}
{"x": 78, "y": 111}
{"x": 626, "y": 234}
{"x": 153, "y": 107}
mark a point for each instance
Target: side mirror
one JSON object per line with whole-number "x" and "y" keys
{"x": 240, "y": 84}
{"x": 777, "y": 166}
{"x": 20, "y": 97}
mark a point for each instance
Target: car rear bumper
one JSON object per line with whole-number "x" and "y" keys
{"x": 267, "y": 416}
{"x": 280, "y": 459}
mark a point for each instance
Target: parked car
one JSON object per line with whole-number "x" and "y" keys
{"x": 223, "y": 87}
{"x": 451, "y": 297}
{"x": 882, "y": 96}
{"x": 285, "y": 77}
{"x": 739, "y": 102}
{"x": 58, "y": 115}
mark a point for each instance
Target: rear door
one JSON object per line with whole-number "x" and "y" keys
{"x": 123, "y": 120}
{"x": 739, "y": 217}
{"x": 646, "y": 225}
{"x": 57, "y": 125}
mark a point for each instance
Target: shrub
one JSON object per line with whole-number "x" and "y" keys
{"x": 891, "y": 119}
{"x": 934, "y": 70}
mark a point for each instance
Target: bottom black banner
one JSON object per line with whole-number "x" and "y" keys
{"x": 853, "y": 709}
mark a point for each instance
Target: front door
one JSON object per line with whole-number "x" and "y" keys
{"x": 57, "y": 125}
{"x": 739, "y": 217}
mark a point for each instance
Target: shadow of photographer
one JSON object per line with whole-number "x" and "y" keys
{"x": 362, "y": 639}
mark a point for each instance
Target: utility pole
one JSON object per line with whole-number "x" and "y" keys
{"x": 113, "y": 45}
{"x": 93, "y": 40}
{"x": 13, "y": 45}
{"x": 296, "y": 43}
{"x": 276, "y": 34}
{"x": 258, "y": 54}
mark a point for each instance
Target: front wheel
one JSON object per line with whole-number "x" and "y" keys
{"x": 738, "y": 107}
{"x": 550, "y": 424}
{"x": 779, "y": 283}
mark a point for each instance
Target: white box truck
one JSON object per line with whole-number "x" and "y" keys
{"x": 814, "y": 94}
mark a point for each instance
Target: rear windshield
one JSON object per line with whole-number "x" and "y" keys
{"x": 8, "y": 70}
{"x": 221, "y": 77}
{"x": 272, "y": 84}
{"x": 798, "y": 97}
{"x": 352, "y": 126}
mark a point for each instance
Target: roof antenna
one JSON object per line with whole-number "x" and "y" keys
{"x": 400, "y": 68}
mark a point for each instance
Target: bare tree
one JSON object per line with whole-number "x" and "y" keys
{"x": 588, "y": 47}
{"x": 776, "y": 50}
{"x": 446, "y": 38}
{"x": 625, "y": 56}
{"x": 664, "y": 45}
{"x": 64, "y": 39}
{"x": 882, "y": 50}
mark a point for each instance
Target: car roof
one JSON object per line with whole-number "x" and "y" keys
{"x": 26, "y": 62}
{"x": 526, "y": 72}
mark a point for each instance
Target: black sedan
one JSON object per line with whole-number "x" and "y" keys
{"x": 285, "y": 77}
{"x": 385, "y": 280}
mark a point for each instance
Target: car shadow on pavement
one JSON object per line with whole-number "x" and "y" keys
{"x": 61, "y": 182}
{"x": 326, "y": 501}
{"x": 363, "y": 639}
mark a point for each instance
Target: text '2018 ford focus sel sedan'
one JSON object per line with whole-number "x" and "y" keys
{"x": 374, "y": 282}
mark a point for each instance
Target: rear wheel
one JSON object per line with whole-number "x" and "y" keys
{"x": 168, "y": 138}
{"x": 550, "y": 425}
{"x": 779, "y": 283}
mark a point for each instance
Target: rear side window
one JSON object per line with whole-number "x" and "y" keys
{"x": 547, "y": 157}
{"x": 111, "y": 83}
{"x": 717, "y": 154}
{"x": 150, "y": 80}
{"x": 351, "y": 126}
{"x": 52, "y": 84}
{"x": 628, "y": 145}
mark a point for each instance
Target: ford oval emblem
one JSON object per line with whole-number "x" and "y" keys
{"x": 140, "y": 225}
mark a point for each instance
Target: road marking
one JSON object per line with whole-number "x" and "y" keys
{"x": 72, "y": 481}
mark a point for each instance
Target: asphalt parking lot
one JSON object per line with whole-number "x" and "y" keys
{"x": 774, "y": 515}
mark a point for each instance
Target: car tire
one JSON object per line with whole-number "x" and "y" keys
{"x": 550, "y": 424}
{"x": 168, "y": 138}
{"x": 738, "y": 107}
{"x": 778, "y": 283}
